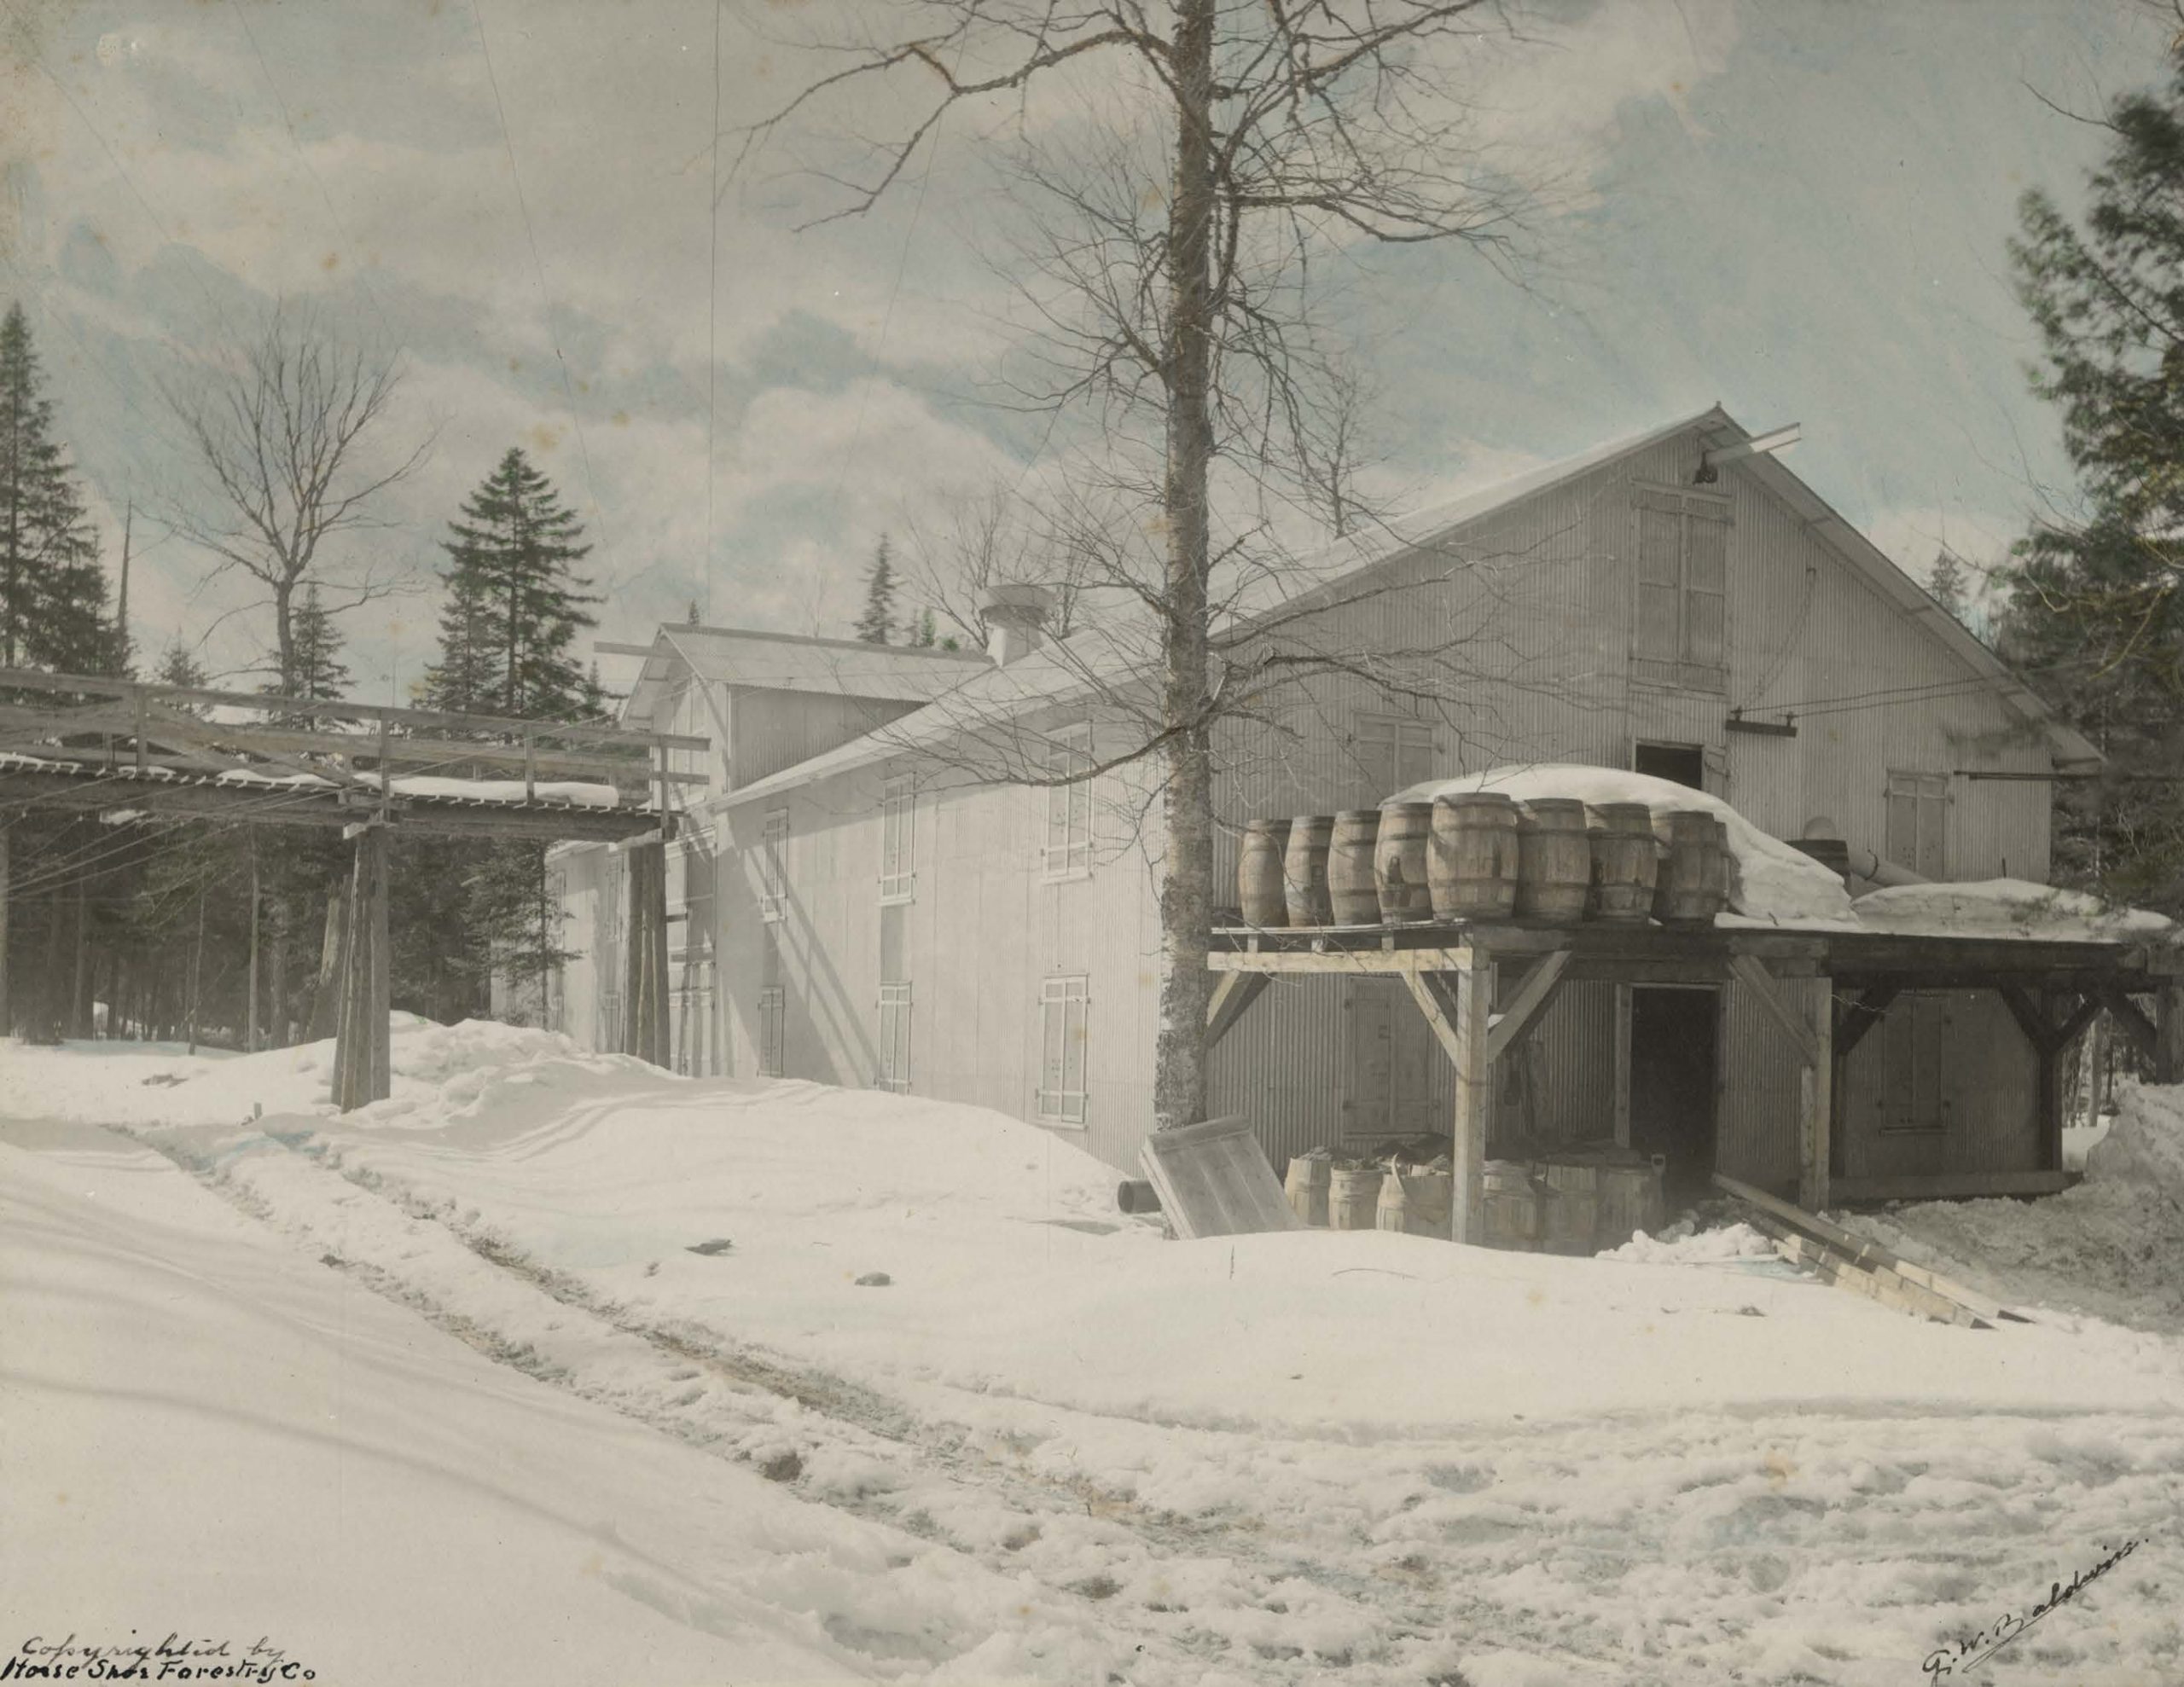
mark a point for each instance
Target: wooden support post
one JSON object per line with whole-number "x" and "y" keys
{"x": 249, "y": 1014}
{"x": 2169, "y": 1032}
{"x": 332, "y": 967}
{"x": 7, "y": 895}
{"x": 1234, "y": 993}
{"x": 2048, "y": 1100}
{"x": 1457, "y": 1004}
{"x": 644, "y": 1020}
{"x": 1813, "y": 1039}
{"x": 81, "y": 1019}
{"x": 361, "y": 1060}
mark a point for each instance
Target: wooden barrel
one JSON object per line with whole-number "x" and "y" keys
{"x": 1630, "y": 1200}
{"x": 1472, "y": 861}
{"x": 1554, "y": 860}
{"x": 1691, "y": 878}
{"x": 1354, "y": 1198}
{"x": 1510, "y": 1206}
{"x": 1570, "y": 1222}
{"x": 1259, "y": 873}
{"x": 1399, "y": 862}
{"x": 1392, "y": 1211}
{"x": 1724, "y": 865}
{"x": 1304, "y": 870}
{"x": 1350, "y": 895}
{"x": 1305, "y": 1184}
{"x": 1428, "y": 1197}
{"x": 1622, "y": 862}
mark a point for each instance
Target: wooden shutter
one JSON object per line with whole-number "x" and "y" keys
{"x": 1660, "y": 546}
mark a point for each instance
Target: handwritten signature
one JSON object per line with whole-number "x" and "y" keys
{"x": 1978, "y": 1648}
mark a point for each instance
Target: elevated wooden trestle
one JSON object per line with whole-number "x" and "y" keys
{"x": 2053, "y": 989}
{"x": 88, "y": 744}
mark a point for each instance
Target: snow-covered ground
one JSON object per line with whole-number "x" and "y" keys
{"x": 774, "y": 1381}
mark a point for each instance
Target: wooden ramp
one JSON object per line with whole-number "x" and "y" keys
{"x": 1849, "y": 1262}
{"x": 1213, "y": 1179}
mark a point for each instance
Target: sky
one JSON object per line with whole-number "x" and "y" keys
{"x": 1798, "y": 208}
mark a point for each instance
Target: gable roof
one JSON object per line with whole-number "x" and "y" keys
{"x": 1070, "y": 670}
{"x": 785, "y": 662}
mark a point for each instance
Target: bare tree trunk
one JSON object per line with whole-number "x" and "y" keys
{"x": 196, "y": 971}
{"x": 1187, "y": 847}
{"x": 79, "y": 993}
{"x": 276, "y": 983}
{"x": 6, "y": 899}
{"x": 249, "y": 1012}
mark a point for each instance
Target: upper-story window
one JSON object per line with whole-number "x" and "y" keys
{"x": 1680, "y": 636}
{"x": 898, "y": 864}
{"x": 773, "y": 867}
{"x": 1394, "y": 752}
{"x": 1918, "y": 823}
{"x": 1069, "y": 805}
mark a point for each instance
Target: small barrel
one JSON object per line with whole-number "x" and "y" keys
{"x": 1399, "y": 863}
{"x": 1133, "y": 1195}
{"x": 1554, "y": 860}
{"x": 1304, "y": 870}
{"x": 1427, "y": 1199}
{"x": 1354, "y": 1197}
{"x": 1622, "y": 862}
{"x": 1305, "y": 1184}
{"x": 1724, "y": 865}
{"x": 1690, "y": 877}
{"x": 1472, "y": 861}
{"x": 1259, "y": 873}
{"x": 1630, "y": 1200}
{"x": 1392, "y": 1211}
{"x": 1351, "y": 896}
{"x": 1510, "y": 1205}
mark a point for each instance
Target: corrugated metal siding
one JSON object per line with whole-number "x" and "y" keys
{"x": 1542, "y": 594}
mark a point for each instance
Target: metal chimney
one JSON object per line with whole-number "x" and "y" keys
{"x": 1015, "y": 618}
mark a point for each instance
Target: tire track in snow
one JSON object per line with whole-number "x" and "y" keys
{"x": 966, "y": 1491}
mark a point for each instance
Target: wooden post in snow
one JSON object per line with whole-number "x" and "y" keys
{"x": 81, "y": 1018}
{"x": 332, "y": 967}
{"x": 361, "y": 1069}
{"x": 6, "y": 890}
{"x": 250, "y": 1017}
{"x": 2168, "y": 1036}
{"x": 644, "y": 1022}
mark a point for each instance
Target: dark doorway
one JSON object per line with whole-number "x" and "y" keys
{"x": 1674, "y": 1043}
{"x": 1685, "y": 763}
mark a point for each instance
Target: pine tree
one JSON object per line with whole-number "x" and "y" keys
{"x": 53, "y": 612}
{"x": 877, "y": 624}
{"x": 2094, "y": 617}
{"x": 515, "y": 603}
{"x": 1945, "y": 582}
{"x": 928, "y": 632}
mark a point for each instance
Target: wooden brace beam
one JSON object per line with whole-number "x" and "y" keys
{"x": 1531, "y": 1001}
{"x": 1234, "y": 993}
{"x": 1753, "y": 975}
{"x": 1860, "y": 1017}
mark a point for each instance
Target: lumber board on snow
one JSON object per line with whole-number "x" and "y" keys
{"x": 1213, "y": 1179}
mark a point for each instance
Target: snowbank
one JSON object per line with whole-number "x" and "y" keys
{"x": 1684, "y": 1243}
{"x": 1772, "y": 882}
{"x": 2006, "y": 907}
{"x": 2110, "y": 1247}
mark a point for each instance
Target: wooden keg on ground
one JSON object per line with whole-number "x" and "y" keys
{"x": 1351, "y": 897}
{"x": 1305, "y": 1184}
{"x": 1399, "y": 862}
{"x": 1354, "y": 1197}
{"x": 1630, "y": 1199}
{"x": 1691, "y": 876}
{"x": 1304, "y": 870}
{"x": 1554, "y": 860}
{"x": 1622, "y": 862}
{"x": 1471, "y": 860}
{"x": 1392, "y": 1211}
{"x": 1259, "y": 873}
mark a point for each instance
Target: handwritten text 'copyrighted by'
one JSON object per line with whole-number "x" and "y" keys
{"x": 176, "y": 1658}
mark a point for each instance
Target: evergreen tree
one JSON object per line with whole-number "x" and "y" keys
{"x": 53, "y": 612}
{"x": 320, "y": 673}
{"x": 515, "y": 603}
{"x": 2095, "y": 616}
{"x": 1946, "y": 582}
{"x": 928, "y": 632}
{"x": 877, "y": 624}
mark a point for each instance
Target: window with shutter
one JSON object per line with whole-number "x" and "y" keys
{"x": 1394, "y": 752}
{"x": 1680, "y": 635}
{"x": 898, "y": 877}
{"x": 895, "y": 1036}
{"x": 773, "y": 867}
{"x": 1064, "y": 1029}
{"x": 773, "y": 1025}
{"x": 1068, "y": 849}
{"x": 1918, "y": 823}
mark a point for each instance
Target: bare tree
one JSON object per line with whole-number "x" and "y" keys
{"x": 1176, "y": 248}
{"x": 986, "y": 538}
{"x": 286, "y": 450}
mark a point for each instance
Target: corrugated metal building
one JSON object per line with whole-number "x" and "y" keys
{"x": 870, "y": 908}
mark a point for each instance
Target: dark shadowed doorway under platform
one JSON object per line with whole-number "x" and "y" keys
{"x": 1675, "y": 1045}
